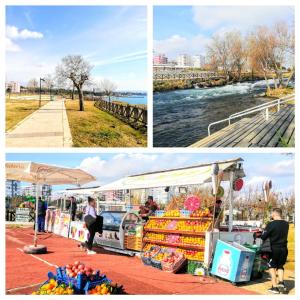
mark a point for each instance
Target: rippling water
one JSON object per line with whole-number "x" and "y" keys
{"x": 182, "y": 117}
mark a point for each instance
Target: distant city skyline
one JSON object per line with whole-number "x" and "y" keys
{"x": 112, "y": 38}
{"x": 188, "y": 29}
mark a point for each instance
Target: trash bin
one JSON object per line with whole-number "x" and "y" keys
{"x": 233, "y": 262}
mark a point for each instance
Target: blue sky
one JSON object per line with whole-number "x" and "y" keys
{"x": 108, "y": 167}
{"x": 112, "y": 38}
{"x": 188, "y": 29}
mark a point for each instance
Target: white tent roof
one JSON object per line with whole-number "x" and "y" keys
{"x": 185, "y": 176}
{"x": 45, "y": 174}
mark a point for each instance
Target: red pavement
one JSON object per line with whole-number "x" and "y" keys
{"x": 24, "y": 272}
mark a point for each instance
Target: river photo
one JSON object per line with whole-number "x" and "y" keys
{"x": 181, "y": 117}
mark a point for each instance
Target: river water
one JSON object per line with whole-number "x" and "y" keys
{"x": 181, "y": 117}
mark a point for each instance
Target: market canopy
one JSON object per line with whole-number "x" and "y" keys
{"x": 45, "y": 174}
{"x": 177, "y": 177}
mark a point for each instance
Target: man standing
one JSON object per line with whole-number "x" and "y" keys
{"x": 72, "y": 207}
{"x": 41, "y": 215}
{"x": 277, "y": 233}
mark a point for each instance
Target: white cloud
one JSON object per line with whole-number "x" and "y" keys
{"x": 284, "y": 167}
{"x": 13, "y": 34}
{"x": 11, "y": 46}
{"x": 121, "y": 165}
{"x": 256, "y": 181}
{"x": 177, "y": 44}
{"x": 240, "y": 17}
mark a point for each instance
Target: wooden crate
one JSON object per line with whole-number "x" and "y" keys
{"x": 133, "y": 243}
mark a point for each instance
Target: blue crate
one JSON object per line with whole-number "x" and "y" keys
{"x": 91, "y": 284}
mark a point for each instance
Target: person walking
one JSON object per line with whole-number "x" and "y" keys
{"x": 93, "y": 223}
{"x": 276, "y": 234}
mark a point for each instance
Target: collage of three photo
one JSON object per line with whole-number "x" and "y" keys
{"x": 150, "y": 165}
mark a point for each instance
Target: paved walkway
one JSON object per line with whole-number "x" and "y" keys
{"x": 46, "y": 127}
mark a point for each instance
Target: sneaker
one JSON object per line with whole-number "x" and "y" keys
{"x": 281, "y": 287}
{"x": 89, "y": 252}
{"x": 274, "y": 290}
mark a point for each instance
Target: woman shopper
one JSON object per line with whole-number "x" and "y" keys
{"x": 93, "y": 223}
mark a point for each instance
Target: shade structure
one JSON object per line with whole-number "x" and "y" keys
{"x": 45, "y": 174}
{"x": 184, "y": 176}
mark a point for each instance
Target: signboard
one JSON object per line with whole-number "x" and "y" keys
{"x": 23, "y": 215}
{"x": 61, "y": 224}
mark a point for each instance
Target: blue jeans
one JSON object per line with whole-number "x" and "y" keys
{"x": 41, "y": 223}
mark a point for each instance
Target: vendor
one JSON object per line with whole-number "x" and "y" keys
{"x": 93, "y": 223}
{"x": 42, "y": 207}
{"x": 148, "y": 209}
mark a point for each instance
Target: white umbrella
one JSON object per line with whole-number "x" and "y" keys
{"x": 45, "y": 174}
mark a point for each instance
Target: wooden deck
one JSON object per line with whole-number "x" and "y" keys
{"x": 278, "y": 131}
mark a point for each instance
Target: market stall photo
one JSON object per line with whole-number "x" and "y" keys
{"x": 181, "y": 222}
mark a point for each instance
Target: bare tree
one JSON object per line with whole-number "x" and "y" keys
{"x": 76, "y": 69}
{"x": 33, "y": 84}
{"x": 108, "y": 87}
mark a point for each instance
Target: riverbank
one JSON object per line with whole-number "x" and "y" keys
{"x": 172, "y": 85}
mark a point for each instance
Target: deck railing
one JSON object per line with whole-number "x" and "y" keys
{"x": 262, "y": 107}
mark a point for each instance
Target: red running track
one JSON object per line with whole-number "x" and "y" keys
{"x": 25, "y": 272}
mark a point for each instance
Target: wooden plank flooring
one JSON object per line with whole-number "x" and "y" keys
{"x": 278, "y": 131}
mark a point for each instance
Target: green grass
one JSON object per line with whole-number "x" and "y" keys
{"x": 17, "y": 110}
{"x": 96, "y": 128}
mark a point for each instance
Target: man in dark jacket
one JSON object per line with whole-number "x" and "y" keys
{"x": 41, "y": 215}
{"x": 277, "y": 232}
{"x": 72, "y": 207}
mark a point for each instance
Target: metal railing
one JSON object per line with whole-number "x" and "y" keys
{"x": 264, "y": 106}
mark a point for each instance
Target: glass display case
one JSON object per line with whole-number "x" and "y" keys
{"x": 115, "y": 225}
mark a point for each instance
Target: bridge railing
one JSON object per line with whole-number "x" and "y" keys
{"x": 262, "y": 107}
{"x": 133, "y": 115}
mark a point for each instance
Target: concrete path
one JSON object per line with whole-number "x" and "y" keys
{"x": 46, "y": 127}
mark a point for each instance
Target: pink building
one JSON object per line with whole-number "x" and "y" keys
{"x": 160, "y": 59}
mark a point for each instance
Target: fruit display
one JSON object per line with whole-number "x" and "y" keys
{"x": 201, "y": 213}
{"x": 176, "y": 239}
{"x": 172, "y": 213}
{"x": 106, "y": 289}
{"x": 78, "y": 268}
{"x": 52, "y": 287}
{"x": 185, "y": 235}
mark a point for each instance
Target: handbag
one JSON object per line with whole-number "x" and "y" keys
{"x": 266, "y": 246}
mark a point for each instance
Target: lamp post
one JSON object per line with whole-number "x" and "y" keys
{"x": 40, "y": 101}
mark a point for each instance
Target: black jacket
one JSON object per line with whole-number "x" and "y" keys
{"x": 277, "y": 231}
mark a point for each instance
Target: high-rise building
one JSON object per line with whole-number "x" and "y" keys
{"x": 13, "y": 188}
{"x": 160, "y": 59}
{"x": 45, "y": 190}
{"x": 198, "y": 61}
{"x": 184, "y": 60}
{"x": 13, "y": 86}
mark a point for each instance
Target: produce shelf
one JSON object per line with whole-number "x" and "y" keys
{"x": 181, "y": 218}
{"x": 185, "y": 246}
{"x": 202, "y": 233}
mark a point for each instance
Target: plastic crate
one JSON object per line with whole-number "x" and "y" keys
{"x": 91, "y": 284}
{"x": 147, "y": 260}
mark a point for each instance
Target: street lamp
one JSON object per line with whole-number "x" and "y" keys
{"x": 40, "y": 102}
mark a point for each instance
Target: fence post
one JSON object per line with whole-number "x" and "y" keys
{"x": 267, "y": 114}
{"x": 278, "y": 105}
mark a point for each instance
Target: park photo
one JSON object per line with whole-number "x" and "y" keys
{"x": 150, "y": 223}
{"x": 76, "y": 84}
{"x": 224, "y": 76}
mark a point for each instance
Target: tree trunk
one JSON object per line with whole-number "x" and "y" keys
{"x": 267, "y": 82}
{"x": 81, "y": 101}
{"x": 290, "y": 78}
{"x": 73, "y": 92}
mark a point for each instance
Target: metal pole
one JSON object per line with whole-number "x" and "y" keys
{"x": 40, "y": 101}
{"x": 230, "y": 225}
{"x": 36, "y": 214}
